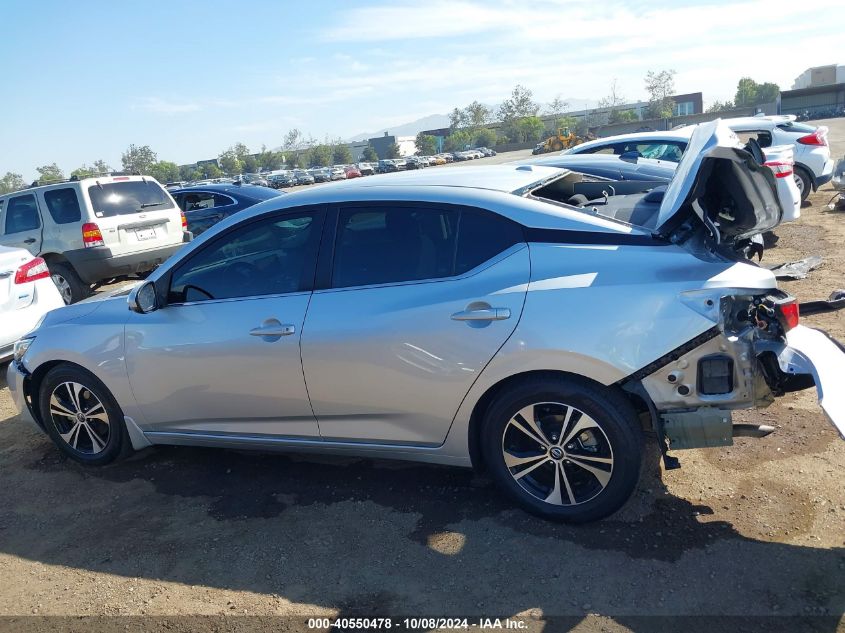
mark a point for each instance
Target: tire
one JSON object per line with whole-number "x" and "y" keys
{"x": 803, "y": 182}
{"x": 68, "y": 282}
{"x": 575, "y": 483}
{"x": 98, "y": 439}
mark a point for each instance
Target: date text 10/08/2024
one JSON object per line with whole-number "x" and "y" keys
{"x": 410, "y": 624}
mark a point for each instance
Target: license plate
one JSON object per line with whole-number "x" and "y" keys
{"x": 145, "y": 234}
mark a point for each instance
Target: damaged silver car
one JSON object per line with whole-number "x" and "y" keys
{"x": 466, "y": 316}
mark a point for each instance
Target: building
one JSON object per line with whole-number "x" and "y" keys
{"x": 820, "y": 76}
{"x": 382, "y": 144}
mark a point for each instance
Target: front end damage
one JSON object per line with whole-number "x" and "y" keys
{"x": 755, "y": 352}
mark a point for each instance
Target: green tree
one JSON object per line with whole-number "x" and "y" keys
{"x": 477, "y": 115}
{"x": 767, "y": 92}
{"x": 210, "y": 170}
{"x": 556, "y": 109}
{"x": 623, "y": 116}
{"x": 49, "y": 173}
{"x": 320, "y": 156}
{"x": 250, "y": 164}
{"x": 519, "y": 105}
{"x": 426, "y": 144}
{"x": 485, "y": 137}
{"x": 164, "y": 171}
{"x": 84, "y": 171}
{"x": 138, "y": 159}
{"x": 530, "y": 129}
{"x": 11, "y": 182}
{"x": 457, "y": 119}
{"x": 189, "y": 172}
{"x": 457, "y": 141}
{"x": 660, "y": 88}
{"x": 718, "y": 106}
{"x": 370, "y": 154}
{"x": 746, "y": 92}
{"x": 230, "y": 163}
{"x": 101, "y": 167}
{"x": 341, "y": 154}
{"x": 241, "y": 150}
{"x": 394, "y": 151}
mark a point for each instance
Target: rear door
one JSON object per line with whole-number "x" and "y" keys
{"x": 133, "y": 213}
{"x": 415, "y": 302}
{"x": 20, "y": 223}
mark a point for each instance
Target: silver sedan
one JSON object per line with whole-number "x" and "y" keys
{"x": 463, "y": 316}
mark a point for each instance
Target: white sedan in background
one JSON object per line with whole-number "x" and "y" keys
{"x": 670, "y": 146}
{"x": 26, "y": 294}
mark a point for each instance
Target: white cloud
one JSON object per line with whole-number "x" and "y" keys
{"x": 163, "y": 106}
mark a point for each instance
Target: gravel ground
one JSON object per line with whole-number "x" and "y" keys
{"x": 756, "y": 529}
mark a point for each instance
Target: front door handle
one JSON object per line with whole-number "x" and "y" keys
{"x": 482, "y": 314}
{"x": 273, "y": 331}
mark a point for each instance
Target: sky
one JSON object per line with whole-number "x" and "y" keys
{"x": 83, "y": 80}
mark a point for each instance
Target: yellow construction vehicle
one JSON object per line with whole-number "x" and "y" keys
{"x": 564, "y": 139}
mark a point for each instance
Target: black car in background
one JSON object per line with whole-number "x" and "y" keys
{"x": 206, "y": 205}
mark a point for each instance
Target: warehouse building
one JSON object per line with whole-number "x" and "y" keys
{"x": 818, "y": 91}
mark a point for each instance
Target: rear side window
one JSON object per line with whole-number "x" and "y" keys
{"x": 63, "y": 205}
{"x": 801, "y": 128}
{"x": 204, "y": 200}
{"x": 393, "y": 245}
{"x": 123, "y": 198}
{"x": 22, "y": 215}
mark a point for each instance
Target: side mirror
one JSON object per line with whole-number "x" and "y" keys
{"x": 631, "y": 156}
{"x": 143, "y": 298}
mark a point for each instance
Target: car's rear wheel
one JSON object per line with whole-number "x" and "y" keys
{"x": 81, "y": 416}
{"x": 68, "y": 282}
{"x": 564, "y": 449}
{"x": 803, "y": 182}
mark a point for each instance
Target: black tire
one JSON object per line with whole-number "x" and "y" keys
{"x": 73, "y": 289}
{"x": 616, "y": 436}
{"x": 111, "y": 434}
{"x": 806, "y": 185}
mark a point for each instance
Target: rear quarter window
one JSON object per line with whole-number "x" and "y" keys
{"x": 124, "y": 198}
{"x": 63, "y": 205}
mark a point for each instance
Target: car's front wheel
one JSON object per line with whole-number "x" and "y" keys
{"x": 564, "y": 449}
{"x": 81, "y": 416}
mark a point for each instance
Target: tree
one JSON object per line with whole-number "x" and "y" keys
{"x": 230, "y": 163}
{"x": 49, "y": 173}
{"x": 746, "y": 92}
{"x": 457, "y": 119}
{"x": 189, "y": 172}
{"x": 210, "y": 170}
{"x": 84, "y": 171}
{"x": 250, "y": 164}
{"x": 556, "y": 109}
{"x": 612, "y": 102}
{"x": 294, "y": 140}
{"x": 660, "y": 88}
{"x": 477, "y": 114}
{"x": 11, "y": 182}
{"x": 101, "y": 167}
{"x": 530, "y": 129}
{"x": 164, "y": 171}
{"x": 320, "y": 156}
{"x": 426, "y": 144}
{"x": 241, "y": 150}
{"x": 370, "y": 154}
{"x": 718, "y": 106}
{"x": 520, "y": 104}
{"x": 138, "y": 159}
{"x": 394, "y": 151}
{"x": 458, "y": 141}
{"x": 485, "y": 137}
{"x": 767, "y": 92}
{"x": 269, "y": 160}
{"x": 341, "y": 154}
{"x": 623, "y": 116}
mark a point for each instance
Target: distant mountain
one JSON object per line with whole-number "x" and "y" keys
{"x": 431, "y": 122}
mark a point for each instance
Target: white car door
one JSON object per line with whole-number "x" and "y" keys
{"x": 20, "y": 223}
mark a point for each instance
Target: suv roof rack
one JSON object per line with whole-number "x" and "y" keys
{"x": 77, "y": 178}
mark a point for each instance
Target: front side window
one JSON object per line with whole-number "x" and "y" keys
{"x": 63, "y": 205}
{"x": 266, "y": 257}
{"x": 126, "y": 197}
{"x": 387, "y": 245}
{"x": 22, "y": 215}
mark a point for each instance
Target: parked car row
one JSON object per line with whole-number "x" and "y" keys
{"x": 424, "y": 315}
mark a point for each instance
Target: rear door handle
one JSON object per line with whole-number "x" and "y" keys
{"x": 482, "y": 314}
{"x": 30, "y": 240}
{"x": 273, "y": 330}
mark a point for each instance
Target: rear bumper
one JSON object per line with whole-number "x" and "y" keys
{"x": 826, "y": 175}
{"x": 97, "y": 264}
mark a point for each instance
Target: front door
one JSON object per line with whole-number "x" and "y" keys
{"x": 420, "y": 299}
{"x": 222, "y": 357}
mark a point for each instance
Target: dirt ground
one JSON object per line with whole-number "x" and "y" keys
{"x": 757, "y": 529}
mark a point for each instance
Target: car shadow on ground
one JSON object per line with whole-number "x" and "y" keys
{"x": 375, "y": 538}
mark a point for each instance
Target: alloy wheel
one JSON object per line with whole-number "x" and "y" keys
{"x": 557, "y": 453}
{"x": 80, "y": 418}
{"x": 64, "y": 287}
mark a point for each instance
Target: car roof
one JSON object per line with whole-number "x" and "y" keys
{"x": 256, "y": 192}
{"x": 681, "y": 134}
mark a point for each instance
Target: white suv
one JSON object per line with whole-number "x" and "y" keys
{"x": 94, "y": 229}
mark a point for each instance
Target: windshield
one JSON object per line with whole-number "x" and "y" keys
{"x": 122, "y": 198}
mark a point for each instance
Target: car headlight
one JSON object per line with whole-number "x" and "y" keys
{"x": 20, "y": 348}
